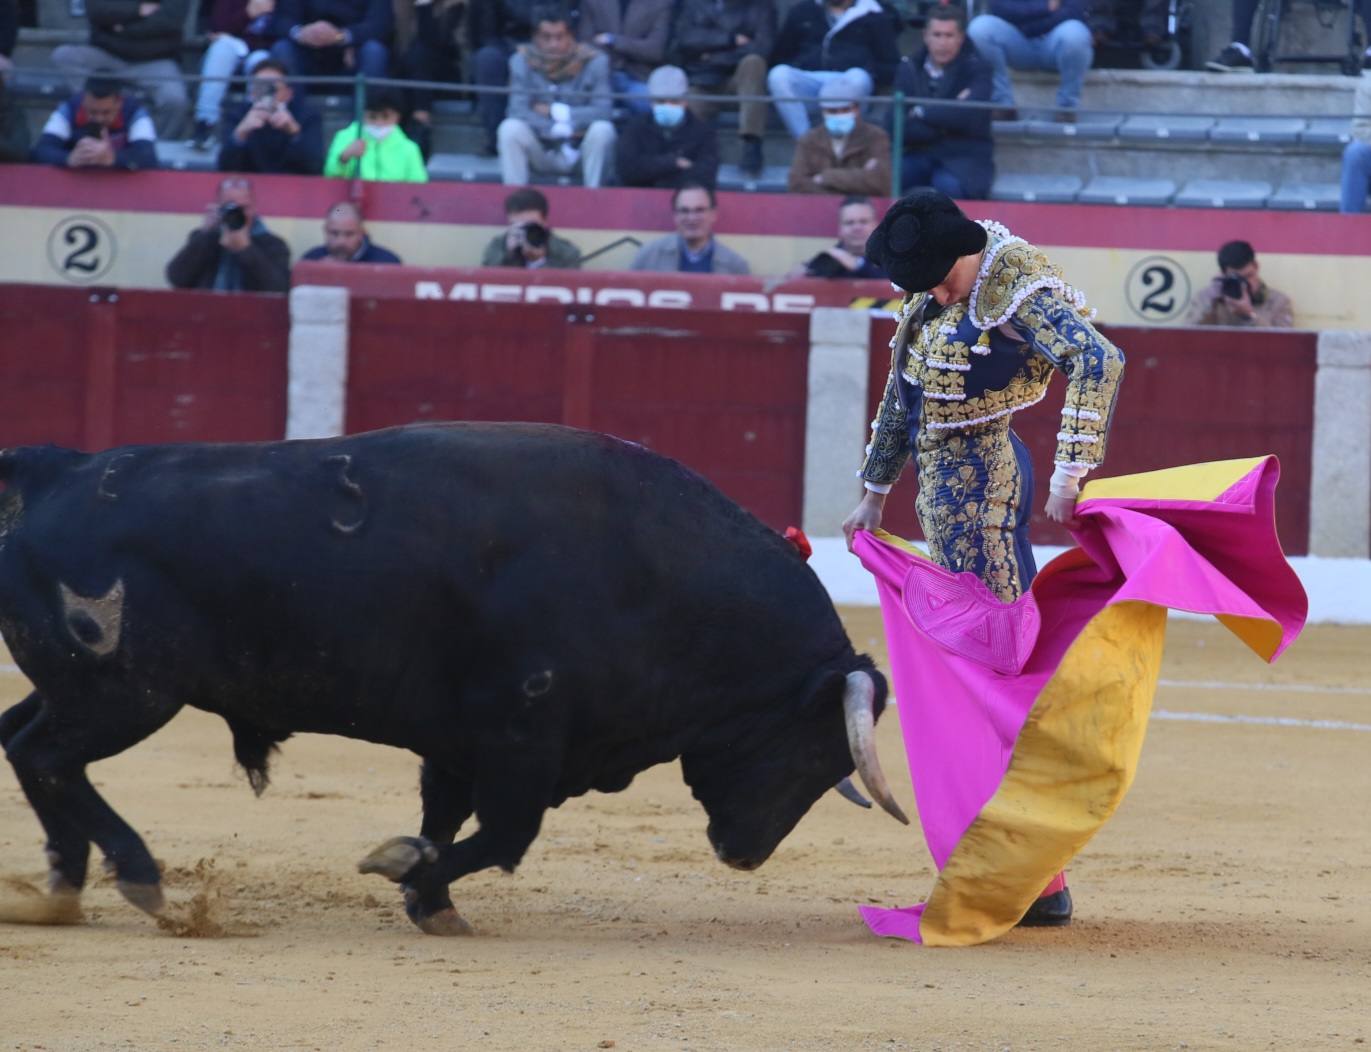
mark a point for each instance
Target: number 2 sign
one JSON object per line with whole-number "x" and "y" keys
{"x": 1157, "y": 289}
{"x": 81, "y": 248}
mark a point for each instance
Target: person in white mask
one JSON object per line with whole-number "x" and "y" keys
{"x": 844, "y": 154}
{"x": 668, "y": 146}
{"x": 377, "y": 148}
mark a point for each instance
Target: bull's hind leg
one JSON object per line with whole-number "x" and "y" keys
{"x": 49, "y": 754}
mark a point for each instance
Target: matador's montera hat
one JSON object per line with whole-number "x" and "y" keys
{"x": 920, "y": 239}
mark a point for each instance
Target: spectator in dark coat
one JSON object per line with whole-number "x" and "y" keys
{"x": 100, "y": 128}
{"x": 9, "y": 26}
{"x": 241, "y": 32}
{"x": 276, "y": 131}
{"x": 1036, "y": 34}
{"x": 429, "y": 39}
{"x": 14, "y": 128}
{"x": 669, "y": 146}
{"x": 947, "y": 147}
{"x": 633, "y": 34}
{"x": 232, "y": 250}
{"x": 346, "y": 240}
{"x": 330, "y": 37}
{"x": 847, "y": 258}
{"x": 141, "y": 42}
{"x": 498, "y": 27}
{"x": 723, "y": 46}
{"x": 822, "y": 40}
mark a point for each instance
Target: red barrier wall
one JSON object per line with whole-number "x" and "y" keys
{"x": 1188, "y": 396}
{"x": 723, "y": 393}
{"x": 92, "y": 368}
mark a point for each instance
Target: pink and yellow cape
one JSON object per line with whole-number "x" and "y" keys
{"x": 1024, "y": 721}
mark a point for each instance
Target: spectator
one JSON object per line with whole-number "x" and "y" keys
{"x": 823, "y": 40}
{"x": 633, "y": 34}
{"x": 1356, "y": 158}
{"x": 528, "y": 241}
{"x": 320, "y": 38}
{"x": 9, "y": 27}
{"x": 723, "y": 46}
{"x": 346, "y": 241}
{"x": 668, "y": 146}
{"x": 559, "y": 106}
{"x": 845, "y": 154}
{"x": 276, "y": 131}
{"x": 14, "y": 127}
{"x": 100, "y": 128}
{"x": 693, "y": 248}
{"x": 947, "y": 147}
{"x": 1036, "y": 34}
{"x": 1238, "y": 296}
{"x": 378, "y": 149}
{"x": 428, "y": 47}
{"x": 142, "y": 43}
{"x": 1237, "y": 56}
{"x": 232, "y": 251}
{"x": 1151, "y": 15}
{"x": 846, "y": 259}
{"x": 498, "y": 28}
{"x": 240, "y": 36}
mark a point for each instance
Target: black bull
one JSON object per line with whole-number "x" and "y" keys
{"x": 535, "y": 611}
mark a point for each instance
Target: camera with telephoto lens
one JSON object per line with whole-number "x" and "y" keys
{"x": 232, "y": 216}
{"x": 536, "y": 235}
{"x": 1233, "y": 286}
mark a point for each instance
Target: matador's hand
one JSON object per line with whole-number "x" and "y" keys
{"x": 1062, "y": 510}
{"x": 866, "y": 516}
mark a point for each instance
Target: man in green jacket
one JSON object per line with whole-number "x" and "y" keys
{"x": 528, "y": 241}
{"x": 378, "y": 149}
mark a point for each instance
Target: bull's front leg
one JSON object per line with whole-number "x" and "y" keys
{"x": 510, "y": 794}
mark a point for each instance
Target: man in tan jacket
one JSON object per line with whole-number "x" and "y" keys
{"x": 844, "y": 154}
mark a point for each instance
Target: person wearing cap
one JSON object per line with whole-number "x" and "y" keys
{"x": 844, "y": 154}
{"x": 668, "y": 146}
{"x": 985, "y": 321}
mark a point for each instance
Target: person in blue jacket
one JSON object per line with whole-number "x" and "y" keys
{"x": 100, "y": 128}
{"x": 1036, "y": 34}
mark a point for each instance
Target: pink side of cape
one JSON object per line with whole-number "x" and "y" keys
{"x": 961, "y": 707}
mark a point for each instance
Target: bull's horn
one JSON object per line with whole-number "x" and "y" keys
{"x": 859, "y": 708}
{"x": 848, "y": 791}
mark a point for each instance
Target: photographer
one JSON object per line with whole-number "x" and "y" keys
{"x": 1237, "y": 296}
{"x": 529, "y": 242}
{"x": 100, "y": 128}
{"x": 232, "y": 251}
{"x": 276, "y": 131}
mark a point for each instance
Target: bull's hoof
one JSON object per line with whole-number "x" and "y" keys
{"x": 147, "y": 897}
{"x": 397, "y": 856}
{"x": 444, "y": 922}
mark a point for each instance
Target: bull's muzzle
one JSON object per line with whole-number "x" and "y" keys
{"x": 859, "y": 708}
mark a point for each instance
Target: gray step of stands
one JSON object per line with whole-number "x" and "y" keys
{"x": 1117, "y": 190}
{"x": 1305, "y": 197}
{"x": 1046, "y": 189}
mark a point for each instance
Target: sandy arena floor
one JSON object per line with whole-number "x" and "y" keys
{"x": 1228, "y": 905}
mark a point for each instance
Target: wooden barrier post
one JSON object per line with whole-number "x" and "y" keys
{"x": 1340, "y": 489}
{"x": 835, "y": 417}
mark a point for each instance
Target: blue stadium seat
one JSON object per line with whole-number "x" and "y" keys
{"x": 464, "y": 168}
{"x": 1258, "y": 129}
{"x": 1050, "y": 189}
{"x": 1122, "y": 190}
{"x": 1327, "y": 131}
{"x": 1223, "y": 193}
{"x": 178, "y": 156}
{"x": 774, "y": 179}
{"x": 1148, "y": 127}
{"x": 1305, "y": 197}
{"x": 1088, "y": 125}
{"x": 452, "y": 108}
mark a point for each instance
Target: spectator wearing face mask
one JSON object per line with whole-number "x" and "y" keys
{"x": 377, "y": 149}
{"x": 844, "y": 154}
{"x": 669, "y": 146}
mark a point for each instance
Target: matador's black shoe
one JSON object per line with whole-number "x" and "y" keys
{"x": 1050, "y": 911}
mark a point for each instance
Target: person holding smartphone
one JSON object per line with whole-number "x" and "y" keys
{"x": 275, "y": 131}
{"x": 1237, "y": 295}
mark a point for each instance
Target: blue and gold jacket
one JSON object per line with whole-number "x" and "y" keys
{"x": 994, "y": 355}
